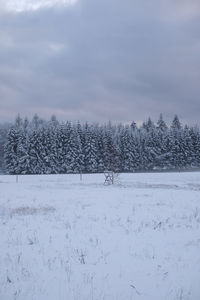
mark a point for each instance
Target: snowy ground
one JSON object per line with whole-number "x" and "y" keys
{"x": 62, "y": 239}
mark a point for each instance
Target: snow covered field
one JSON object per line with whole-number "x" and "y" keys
{"x": 66, "y": 239}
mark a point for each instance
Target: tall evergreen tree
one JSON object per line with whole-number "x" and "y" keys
{"x": 91, "y": 159}
{"x": 11, "y": 151}
{"x": 176, "y": 124}
{"x": 161, "y": 125}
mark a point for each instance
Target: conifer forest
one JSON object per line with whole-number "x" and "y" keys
{"x": 41, "y": 147}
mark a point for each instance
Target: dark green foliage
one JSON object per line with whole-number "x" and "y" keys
{"x": 40, "y": 147}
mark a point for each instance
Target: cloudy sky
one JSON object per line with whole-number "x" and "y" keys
{"x": 100, "y": 60}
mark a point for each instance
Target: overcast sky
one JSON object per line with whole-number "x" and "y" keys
{"x": 100, "y": 60}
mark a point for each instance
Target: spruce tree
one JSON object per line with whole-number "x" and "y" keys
{"x": 161, "y": 125}
{"x": 10, "y": 152}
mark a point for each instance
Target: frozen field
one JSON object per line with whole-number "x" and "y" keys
{"x": 66, "y": 239}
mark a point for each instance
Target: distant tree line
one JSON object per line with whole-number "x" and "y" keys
{"x": 40, "y": 147}
{"x": 4, "y": 128}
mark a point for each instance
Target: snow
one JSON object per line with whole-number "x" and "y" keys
{"x": 62, "y": 238}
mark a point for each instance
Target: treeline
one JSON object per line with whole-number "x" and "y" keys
{"x": 4, "y": 128}
{"x": 40, "y": 147}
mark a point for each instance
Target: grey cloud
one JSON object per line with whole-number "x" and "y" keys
{"x": 100, "y": 60}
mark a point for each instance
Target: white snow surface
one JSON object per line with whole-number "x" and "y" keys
{"x": 66, "y": 239}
